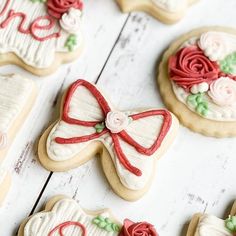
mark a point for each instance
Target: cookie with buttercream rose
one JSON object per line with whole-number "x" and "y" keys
{"x": 167, "y": 11}
{"x": 210, "y": 225}
{"x": 41, "y": 35}
{"x": 64, "y": 216}
{"x": 197, "y": 80}
{"x": 128, "y": 142}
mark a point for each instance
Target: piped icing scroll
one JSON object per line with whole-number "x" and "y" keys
{"x": 35, "y": 31}
{"x": 66, "y": 217}
{"x": 132, "y": 139}
{"x": 203, "y": 75}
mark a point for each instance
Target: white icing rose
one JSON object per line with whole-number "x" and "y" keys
{"x": 199, "y": 88}
{"x": 116, "y": 121}
{"x": 71, "y": 21}
{"x": 3, "y": 140}
{"x": 214, "y": 45}
{"x": 223, "y": 91}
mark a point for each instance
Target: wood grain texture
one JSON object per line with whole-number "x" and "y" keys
{"x": 121, "y": 54}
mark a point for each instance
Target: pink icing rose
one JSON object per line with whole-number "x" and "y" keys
{"x": 223, "y": 91}
{"x": 190, "y": 66}
{"x": 116, "y": 121}
{"x": 57, "y": 8}
{"x": 137, "y": 229}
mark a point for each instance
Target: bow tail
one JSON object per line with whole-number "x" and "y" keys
{"x": 122, "y": 158}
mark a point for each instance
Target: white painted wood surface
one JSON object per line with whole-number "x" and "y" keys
{"x": 121, "y": 54}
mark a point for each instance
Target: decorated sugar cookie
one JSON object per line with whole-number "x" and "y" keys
{"x": 209, "y": 225}
{"x": 167, "y": 11}
{"x": 5, "y": 181}
{"x": 197, "y": 80}
{"x": 129, "y": 143}
{"x": 64, "y": 216}
{"x": 17, "y": 96}
{"x": 39, "y": 35}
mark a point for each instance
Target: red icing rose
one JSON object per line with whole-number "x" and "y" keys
{"x": 137, "y": 229}
{"x": 190, "y": 66}
{"x": 57, "y": 8}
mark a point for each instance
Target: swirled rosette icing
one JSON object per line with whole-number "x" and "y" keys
{"x": 203, "y": 75}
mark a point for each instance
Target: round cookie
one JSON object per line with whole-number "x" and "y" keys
{"x": 197, "y": 80}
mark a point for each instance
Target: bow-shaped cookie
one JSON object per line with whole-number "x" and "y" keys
{"x": 209, "y": 225}
{"x": 167, "y": 11}
{"x": 129, "y": 142}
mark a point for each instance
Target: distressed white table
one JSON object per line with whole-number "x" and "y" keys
{"x": 121, "y": 55}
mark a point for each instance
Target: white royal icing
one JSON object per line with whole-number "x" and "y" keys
{"x": 217, "y": 45}
{"x": 144, "y": 131}
{"x": 33, "y": 52}
{"x": 71, "y": 21}
{"x": 14, "y": 93}
{"x": 211, "y": 226}
{"x": 171, "y": 5}
{"x": 64, "y": 210}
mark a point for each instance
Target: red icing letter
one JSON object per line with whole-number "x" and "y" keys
{"x": 11, "y": 16}
{"x": 5, "y": 7}
{"x": 36, "y": 26}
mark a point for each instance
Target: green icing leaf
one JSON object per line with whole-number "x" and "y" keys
{"x": 228, "y": 65}
{"x": 106, "y": 224}
{"x": 230, "y": 224}
{"x": 99, "y": 127}
{"x": 71, "y": 42}
{"x": 198, "y": 102}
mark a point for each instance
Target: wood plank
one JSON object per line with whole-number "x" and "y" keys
{"x": 196, "y": 173}
{"x": 28, "y": 176}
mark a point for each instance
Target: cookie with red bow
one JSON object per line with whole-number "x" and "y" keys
{"x": 63, "y": 216}
{"x": 197, "y": 80}
{"x": 210, "y": 225}
{"x": 129, "y": 142}
{"x": 167, "y": 11}
{"x": 40, "y": 35}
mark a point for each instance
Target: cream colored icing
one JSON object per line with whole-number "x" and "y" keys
{"x": 171, "y": 5}
{"x": 217, "y": 45}
{"x": 32, "y": 52}
{"x": 211, "y": 226}
{"x": 85, "y": 107}
{"x": 14, "y": 94}
{"x": 64, "y": 210}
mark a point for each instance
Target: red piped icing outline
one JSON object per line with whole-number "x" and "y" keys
{"x": 64, "y": 225}
{"x": 115, "y": 137}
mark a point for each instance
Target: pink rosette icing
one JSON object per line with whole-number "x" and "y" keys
{"x": 57, "y": 8}
{"x": 214, "y": 45}
{"x": 137, "y": 229}
{"x": 116, "y": 121}
{"x": 190, "y": 66}
{"x": 223, "y": 91}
